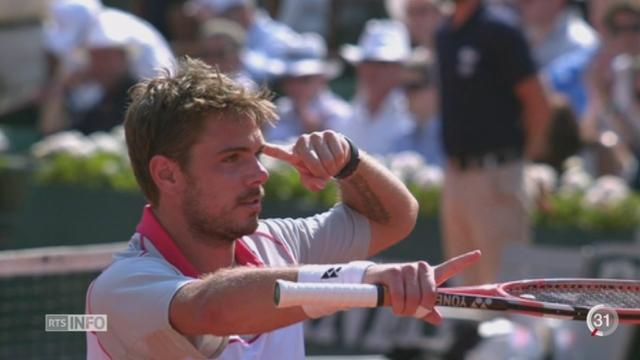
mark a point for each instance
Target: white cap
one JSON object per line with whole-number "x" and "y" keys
{"x": 147, "y": 49}
{"x": 110, "y": 30}
{"x": 68, "y": 24}
{"x": 306, "y": 56}
{"x": 381, "y": 40}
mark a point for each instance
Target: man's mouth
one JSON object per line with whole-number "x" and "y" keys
{"x": 253, "y": 200}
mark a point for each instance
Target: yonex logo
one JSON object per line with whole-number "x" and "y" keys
{"x": 481, "y": 303}
{"x": 331, "y": 273}
{"x": 451, "y": 300}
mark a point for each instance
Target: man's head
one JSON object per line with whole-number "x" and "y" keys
{"x": 304, "y": 69}
{"x": 240, "y": 11}
{"x": 110, "y": 49}
{"x": 536, "y": 13}
{"x": 194, "y": 139}
{"x": 378, "y": 57}
{"x": 622, "y": 24}
{"x": 220, "y": 44}
{"x": 421, "y": 17}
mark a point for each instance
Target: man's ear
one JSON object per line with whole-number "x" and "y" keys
{"x": 166, "y": 174}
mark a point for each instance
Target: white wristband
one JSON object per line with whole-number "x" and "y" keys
{"x": 350, "y": 273}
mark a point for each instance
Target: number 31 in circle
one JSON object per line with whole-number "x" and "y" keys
{"x": 602, "y": 320}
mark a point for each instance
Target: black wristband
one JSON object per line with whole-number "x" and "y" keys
{"x": 352, "y": 165}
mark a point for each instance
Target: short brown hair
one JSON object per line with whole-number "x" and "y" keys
{"x": 167, "y": 114}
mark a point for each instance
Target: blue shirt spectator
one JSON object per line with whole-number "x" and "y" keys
{"x": 566, "y": 75}
{"x": 425, "y": 139}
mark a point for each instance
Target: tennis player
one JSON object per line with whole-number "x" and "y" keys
{"x": 197, "y": 279}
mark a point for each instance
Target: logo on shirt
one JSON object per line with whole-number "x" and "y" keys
{"x": 331, "y": 273}
{"x": 468, "y": 58}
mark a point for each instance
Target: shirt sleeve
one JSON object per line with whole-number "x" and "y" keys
{"x": 135, "y": 294}
{"x": 513, "y": 55}
{"x": 338, "y": 235}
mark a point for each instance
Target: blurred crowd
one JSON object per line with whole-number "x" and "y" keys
{"x": 331, "y": 67}
{"x": 365, "y": 68}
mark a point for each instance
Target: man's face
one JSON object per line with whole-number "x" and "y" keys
{"x": 376, "y": 76}
{"x": 303, "y": 88}
{"x": 108, "y": 66}
{"x": 219, "y": 51}
{"x": 223, "y": 193}
{"x": 423, "y": 17}
{"x": 535, "y": 12}
{"x": 421, "y": 94}
{"x": 626, "y": 32}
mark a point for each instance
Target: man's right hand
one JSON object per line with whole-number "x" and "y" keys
{"x": 411, "y": 285}
{"x": 317, "y": 156}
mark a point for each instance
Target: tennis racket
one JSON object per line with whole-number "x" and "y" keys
{"x": 559, "y": 298}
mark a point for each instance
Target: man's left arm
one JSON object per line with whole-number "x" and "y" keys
{"x": 536, "y": 116}
{"x": 376, "y": 193}
{"x": 518, "y": 68}
{"x": 370, "y": 189}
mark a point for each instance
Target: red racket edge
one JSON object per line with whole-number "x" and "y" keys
{"x": 498, "y": 298}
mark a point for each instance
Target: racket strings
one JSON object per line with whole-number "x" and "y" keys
{"x": 587, "y": 295}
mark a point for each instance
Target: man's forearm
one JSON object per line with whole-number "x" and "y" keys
{"x": 376, "y": 193}
{"x": 536, "y": 116}
{"x": 536, "y": 130}
{"x": 233, "y": 302}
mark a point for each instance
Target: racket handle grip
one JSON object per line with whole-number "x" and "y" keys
{"x": 340, "y": 296}
{"x": 288, "y": 294}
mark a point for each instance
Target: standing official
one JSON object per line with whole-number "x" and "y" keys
{"x": 494, "y": 115}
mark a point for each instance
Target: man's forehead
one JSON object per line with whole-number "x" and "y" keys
{"x": 237, "y": 131}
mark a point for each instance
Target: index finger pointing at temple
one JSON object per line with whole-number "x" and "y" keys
{"x": 280, "y": 152}
{"x": 455, "y": 265}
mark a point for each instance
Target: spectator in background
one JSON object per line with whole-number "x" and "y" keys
{"x": 308, "y": 105}
{"x": 306, "y": 16}
{"x": 495, "y": 115}
{"x": 554, "y": 29}
{"x": 624, "y": 116}
{"x": 67, "y": 26}
{"x": 109, "y": 67}
{"x": 421, "y": 17}
{"x": 567, "y": 74}
{"x": 610, "y": 123}
{"x": 563, "y": 140}
{"x": 70, "y": 23}
{"x": 80, "y": 77}
{"x": 422, "y": 97}
{"x": 266, "y": 39}
{"x": 380, "y": 113}
{"x": 221, "y": 42}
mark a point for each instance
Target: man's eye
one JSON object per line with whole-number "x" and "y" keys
{"x": 231, "y": 158}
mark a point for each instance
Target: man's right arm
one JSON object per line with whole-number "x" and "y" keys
{"x": 233, "y": 301}
{"x": 240, "y": 300}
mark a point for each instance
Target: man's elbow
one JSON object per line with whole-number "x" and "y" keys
{"x": 219, "y": 320}
{"x": 406, "y": 221}
{"x": 412, "y": 214}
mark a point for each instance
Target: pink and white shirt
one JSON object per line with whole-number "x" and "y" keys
{"x": 135, "y": 291}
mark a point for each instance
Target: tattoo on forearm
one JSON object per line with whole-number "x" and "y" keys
{"x": 372, "y": 207}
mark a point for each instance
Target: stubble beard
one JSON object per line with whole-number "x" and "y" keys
{"x": 215, "y": 229}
